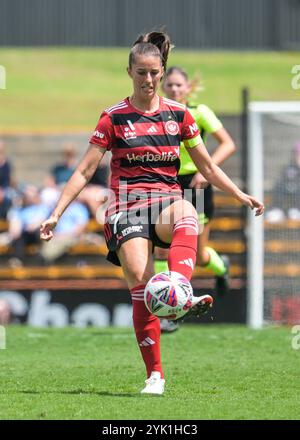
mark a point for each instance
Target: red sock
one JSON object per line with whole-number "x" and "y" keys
{"x": 183, "y": 250}
{"x": 147, "y": 331}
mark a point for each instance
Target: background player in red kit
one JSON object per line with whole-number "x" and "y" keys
{"x": 144, "y": 133}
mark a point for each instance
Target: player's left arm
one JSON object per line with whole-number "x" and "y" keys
{"x": 214, "y": 175}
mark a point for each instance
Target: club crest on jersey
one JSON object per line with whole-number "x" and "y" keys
{"x": 172, "y": 127}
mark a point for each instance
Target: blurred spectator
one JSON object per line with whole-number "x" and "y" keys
{"x": 7, "y": 193}
{"x": 101, "y": 175}
{"x": 50, "y": 192}
{"x": 5, "y": 312}
{"x": 5, "y": 169}
{"x": 24, "y": 223}
{"x": 92, "y": 196}
{"x": 71, "y": 225}
{"x": 95, "y": 193}
{"x": 286, "y": 193}
{"x": 62, "y": 171}
{"x": 5, "y": 203}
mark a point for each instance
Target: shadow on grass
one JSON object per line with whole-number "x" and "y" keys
{"x": 78, "y": 392}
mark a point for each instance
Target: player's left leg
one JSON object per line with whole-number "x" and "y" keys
{"x": 207, "y": 257}
{"x": 178, "y": 224}
{"x": 161, "y": 265}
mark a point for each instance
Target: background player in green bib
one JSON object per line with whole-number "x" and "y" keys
{"x": 176, "y": 86}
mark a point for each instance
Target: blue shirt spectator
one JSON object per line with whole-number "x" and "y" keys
{"x": 67, "y": 232}
{"x": 24, "y": 222}
{"x": 75, "y": 216}
{"x": 26, "y": 215}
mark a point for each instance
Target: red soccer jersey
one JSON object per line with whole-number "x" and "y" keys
{"x": 145, "y": 147}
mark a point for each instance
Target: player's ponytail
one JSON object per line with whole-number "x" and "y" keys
{"x": 152, "y": 44}
{"x": 162, "y": 41}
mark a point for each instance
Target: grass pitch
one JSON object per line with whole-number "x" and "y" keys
{"x": 212, "y": 372}
{"x": 66, "y": 89}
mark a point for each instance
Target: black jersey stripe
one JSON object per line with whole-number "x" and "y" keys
{"x": 150, "y": 164}
{"x": 143, "y": 194}
{"x": 149, "y": 141}
{"x": 135, "y": 118}
{"x": 153, "y": 178}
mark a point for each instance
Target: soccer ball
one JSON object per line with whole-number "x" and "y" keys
{"x": 168, "y": 295}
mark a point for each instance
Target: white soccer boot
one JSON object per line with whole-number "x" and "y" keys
{"x": 167, "y": 326}
{"x": 154, "y": 385}
{"x": 201, "y": 305}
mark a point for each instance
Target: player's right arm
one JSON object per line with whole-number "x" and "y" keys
{"x": 81, "y": 176}
{"x": 99, "y": 143}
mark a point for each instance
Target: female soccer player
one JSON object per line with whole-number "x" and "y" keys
{"x": 144, "y": 132}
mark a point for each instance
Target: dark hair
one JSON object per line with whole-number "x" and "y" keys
{"x": 151, "y": 44}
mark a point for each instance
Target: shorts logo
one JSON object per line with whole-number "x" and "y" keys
{"x": 172, "y": 128}
{"x": 131, "y": 229}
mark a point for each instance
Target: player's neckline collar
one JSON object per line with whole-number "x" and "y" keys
{"x": 141, "y": 112}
